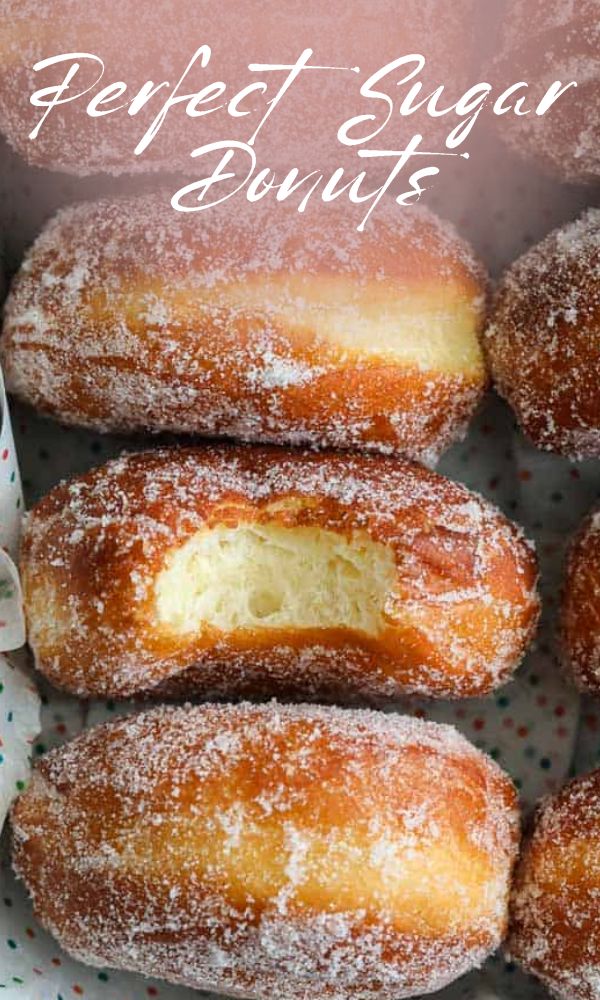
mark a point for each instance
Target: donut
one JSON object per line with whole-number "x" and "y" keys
{"x": 232, "y": 571}
{"x": 543, "y": 341}
{"x": 555, "y": 921}
{"x": 158, "y": 42}
{"x": 252, "y": 323}
{"x": 543, "y": 43}
{"x": 580, "y": 607}
{"x": 272, "y": 850}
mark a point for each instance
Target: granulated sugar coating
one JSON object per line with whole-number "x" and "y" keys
{"x": 253, "y": 322}
{"x": 140, "y": 42}
{"x": 555, "y": 914}
{"x": 545, "y": 42}
{"x": 272, "y": 851}
{"x": 580, "y": 617}
{"x": 422, "y": 586}
{"x": 543, "y": 342}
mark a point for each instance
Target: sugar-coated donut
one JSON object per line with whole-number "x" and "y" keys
{"x": 251, "y": 321}
{"x": 140, "y": 42}
{"x": 543, "y": 341}
{"x": 245, "y": 571}
{"x": 580, "y": 609}
{"x": 542, "y": 43}
{"x": 555, "y": 918}
{"x": 272, "y": 851}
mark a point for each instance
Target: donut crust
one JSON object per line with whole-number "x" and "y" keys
{"x": 272, "y": 851}
{"x": 543, "y": 43}
{"x": 555, "y": 922}
{"x": 185, "y": 571}
{"x": 300, "y": 133}
{"x": 580, "y": 607}
{"x": 251, "y": 322}
{"x": 543, "y": 341}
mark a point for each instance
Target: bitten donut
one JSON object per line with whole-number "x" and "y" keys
{"x": 555, "y": 932}
{"x": 252, "y": 322}
{"x": 544, "y": 43}
{"x": 146, "y": 51}
{"x": 580, "y": 610}
{"x": 245, "y": 571}
{"x": 272, "y": 851}
{"x": 543, "y": 342}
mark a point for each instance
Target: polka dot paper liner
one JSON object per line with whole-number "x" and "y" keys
{"x": 531, "y": 726}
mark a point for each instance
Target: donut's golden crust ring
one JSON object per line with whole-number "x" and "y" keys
{"x": 272, "y": 850}
{"x": 555, "y": 920}
{"x": 580, "y": 608}
{"x": 251, "y": 322}
{"x": 543, "y": 342}
{"x": 451, "y": 583}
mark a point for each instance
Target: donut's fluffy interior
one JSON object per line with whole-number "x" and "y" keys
{"x": 268, "y": 576}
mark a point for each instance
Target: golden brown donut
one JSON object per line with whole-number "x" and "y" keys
{"x": 580, "y": 609}
{"x": 543, "y": 342}
{"x": 555, "y": 918}
{"x": 245, "y": 571}
{"x": 272, "y": 851}
{"x": 155, "y": 41}
{"x": 542, "y": 43}
{"x": 252, "y": 322}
